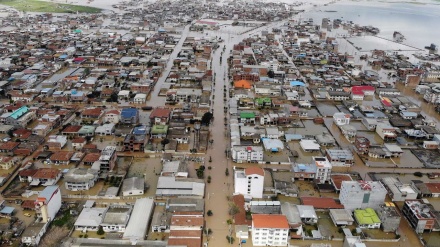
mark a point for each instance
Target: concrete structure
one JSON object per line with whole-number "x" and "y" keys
{"x": 399, "y": 191}
{"x": 362, "y": 194}
{"x": 389, "y": 216}
{"x": 420, "y": 216}
{"x": 341, "y": 118}
{"x": 247, "y": 154}
{"x": 116, "y": 218}
{"x": 367, "y": 218}
{"x": 353, "y": 241}
{"x": 133, "y": 186}
{"x": 323, "y": 169}
{"x": 172, "y": 187}
{"x": 140, "y": 217}
{"x": 90, "y": 219}
{"x": 341, "y": 217}
{"x": 107, "y": 160}
{"x": 307, "y": 214}
{"x": 48, "y": 203}
{"x": 78, "y": 179}
{"x": 340, "y": 157}
{"x": 270, "y": 230}
{"x": 249, "y": 182}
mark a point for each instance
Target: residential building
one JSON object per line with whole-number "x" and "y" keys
{"x": 349, "y": 131}
{"x": 160, "y": 116}
{"x": 48, "y": 203}
{"x": 340, "y": 157}
{"x": 389, "y": 216}
{"x": 270, "y": 230}
{"x": 112, "y": 116}
{"x": 107, "y": 160}
{"x": 367, "y": 218}
{"x": 249, "y": 182}
{"x": 249, "y": 154}
{"x": 386, "y": 131}
{"x": 180, "y": 187}
{"x": 61, "y": 157}
{"x": 420, "y": 216}
{"x": 140, "y": 98}
{"x": 46, "y": 177}
{"x": 362, "y": 194}
{"x": 20, "y": 117}
{"x": 323, "y": 169}
{"x": 399, "y": 191}
{"x": 340, "y": 118}
{"x": 307, "y": 214}
{"x": 105, "y": 129}
{"x": 304, "y": 171}
{"x": 78, "y": 143}
{"x": 129, "y": 116}
{"x": 6, "y": 162}
{"x": 351, "y": 241}
{"x": 56, "y": 142}
{"x": 90, "y": 219}
{"x": 78, "y": 179}
{"x": 42, "y": 129}
{"x": 341, "y": 217}
{"x": 362, "y": 144}
{"x": 138, "y": 224}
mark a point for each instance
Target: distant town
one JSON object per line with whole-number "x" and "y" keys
{"x": 214, "y": 123}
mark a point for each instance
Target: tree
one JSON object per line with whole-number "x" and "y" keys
{"x": 233, "y": 209}
{"x": 230, "y": 239}
{"x": 209, "y": 213}
{"x": 418, "y": 174}
{"x": 164, "y": 142}
{"x": 270, "y": 74}
{"x": 206, "y": 118}
{"x": 227, "y": 172}
{"x": 100, "y": 231}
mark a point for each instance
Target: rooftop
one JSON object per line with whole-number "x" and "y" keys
{"x": 276, "y": 221}
{"x": 366, "y": 216}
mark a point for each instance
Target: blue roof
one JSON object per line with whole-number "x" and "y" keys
{"x": 290, "y": 137}
{"x": 297, "y": 83}
{"x": 64, "y": 56}
{"x": 19, "y": 112}
{"x": 48, "y": 192}
{"x": 140, "y": 130}
{"x": 304, "y": 168}
{"x": 129, "y": 112}
{"x": 7, "y": 210}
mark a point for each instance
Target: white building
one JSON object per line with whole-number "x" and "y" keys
{"x": 138, "y": 224}
{"x": 48, "y": 203}
{"x": 89, "y": 219}
{"x": 249, "y": 182}
{"x": 78, "y": 179}
{"x": 341, "y": 118}
{"x": 140, "y": 98}
{"x": 105, "y": 129}
{"x": 112, "y": 116}
{"x": 133, "y": 186}
{"x": 270, "y": 230}
{"x": 242, "y": 154}
{"x": 399, "y": 191}
{"x": 323, "y": 169}
{"x": 362, "y": 194}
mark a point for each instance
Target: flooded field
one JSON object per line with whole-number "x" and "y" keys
{"x": 326, "y": 110}
{"x": 369, "y": 43}
{"x": 149, "y": 169}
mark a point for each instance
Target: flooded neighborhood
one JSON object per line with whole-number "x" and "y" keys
{"x": 219, "y": 123}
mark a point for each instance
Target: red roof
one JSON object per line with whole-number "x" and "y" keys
{"x": 72, "y": 129}
{"x": 160, "y": 113}
{"x": 254, "y": 170}
{"x": 46, "y": 173}
{"x": 27, "y": 172}
{"x": 9, "y": 145}
{"x": 338, "y": 178}
{"x": 240, "y": 217}
{"x": 270, "y": 221}
{"x": 321, "y": 202}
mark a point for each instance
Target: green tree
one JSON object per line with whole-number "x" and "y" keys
{"x": 100, "y": 231}
{"x": 227, "y": 172}
{"x": 206, "y": 118}
{"x": 230, "y": 239}
{"x": 209, "y": 213}
{"x": 233, "y": 209}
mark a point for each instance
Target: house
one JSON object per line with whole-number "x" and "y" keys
{"x": 420, "y": 216}
{"x": 56, "y": 142}
{"x": 78, "y": 179}
{"x": 325, "y": 139}
{"x": 112, "y": 116}
{"x": 180, "y": 187}
{"x": 140, "y": 98}
{"x": 349, "y": 131}
{"x": 323, "y": 169}
{"x": 429, "y": 131}
{"x": 367, "y": 218}
{"x": 304, "y": 171}
{"x": 338, "y": 95}
{"x": 9, "y": 147}
{"x": 92, "y": 114}
{"x": 389, "y": 216}
{"x": 20, "y": 117}
{"x": 42, "y": 129}
{"x": 87, "y": 130}
{"x": 107, "y": 159}
{"x": 116, "y": 218}
{"x": 270, "y": 230}
{"x": 408, "y": 114}
{"x": 361, "y": 144}
{"x": 399, "y": 191}
{"x": 243, "y": 84}
{"x": 133, "y": 186}
{"x": 247, "y": 117}
{"x": 341, "y": 217}
{"x": 129, "y": 116}
{"x": 359, "y": 92}
{"x": 249, "y": 154}
{"x": 71, "y": 130}
{"x": 90, "y": 219}
{"x": 48, "y": 203}
{"x": 340, "y": 118}
{"x": 249, "y": 182}
{"x": 61, "y": 157}
{"x": 386, "y": 131}
{"x": 78, "y": 143}
{"x": 105, "y": 129}
{"x": 340, "y": 157}
{"x": 309, "y": 145}
{"x": 6, "y": 163}
{"x": 160, "y": 116}
{"x": 430, "y": 145}
{"x": 393, "y": 149}
{"x": 362, "y": 194}
{"x": 46, "y": 177}
{"x": 33, "y": 233}
{"x": 307, "y": 214}
{"x": 25, "y": 175}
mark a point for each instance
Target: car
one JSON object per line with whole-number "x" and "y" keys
{"x": 27, "y": 214}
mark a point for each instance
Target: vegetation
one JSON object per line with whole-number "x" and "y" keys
{"x": 100, "y": 231}
{"x": 200, "y": 172}
{"x": 209, "y": 179}
{"x": 209, "y": 213}
{"x": 50, "y": 7}
{"x": 418, "y": 174}
{"x": 230, "y": 239}
{"x": 227, "y": 172}
{"x": 206, "y": 118}
{"x": 233, "y": 209}
{"x": 229, "y": 222}
{"x": 63, "y": 220}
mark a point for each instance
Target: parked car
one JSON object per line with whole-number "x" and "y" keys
{"x": 27, "y": 214}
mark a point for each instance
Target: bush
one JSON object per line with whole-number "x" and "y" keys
{"x": 100, "y": 231}
{"x": 86, "y": 235}
{"x": 418, "y": 174}
{"x": 209, "y": 213}
{"x": 230, "y": 239}
{"x": 227, "y": 172}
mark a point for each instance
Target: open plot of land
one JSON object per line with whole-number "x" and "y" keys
{"x": 326, "y": 110}
{"x": 42, "y": 6}
{"x": 430, "y": 158}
